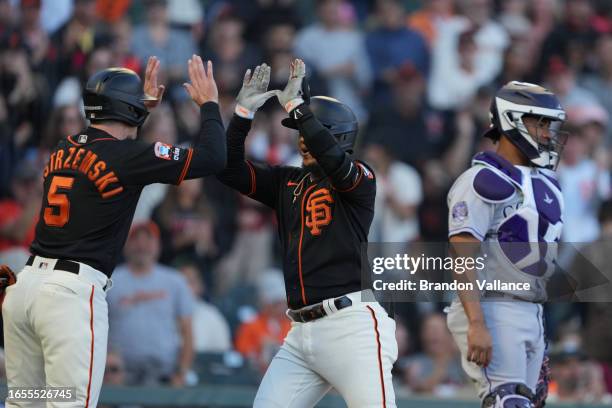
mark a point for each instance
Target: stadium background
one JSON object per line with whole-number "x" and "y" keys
{"x": 419, "y": 74}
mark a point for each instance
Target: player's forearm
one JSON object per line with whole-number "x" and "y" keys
{"x": 324, "y": 147}
{"x": 468, "y": 247}
{"x": 237, "y": 174}
{"x": 209, "y": 155}
{"x": 470, "y": 298}
{"x": 320, "y": 142}
{"x": 471, "y": 305}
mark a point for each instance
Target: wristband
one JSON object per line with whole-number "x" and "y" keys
{"x": 294, "y": 103}
{"x": 244, "y": 112}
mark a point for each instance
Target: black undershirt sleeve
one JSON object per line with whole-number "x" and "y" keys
{"x": 209, "y": 150}
{"x": 337, "y": 165}
{"x": 258, "y": 181}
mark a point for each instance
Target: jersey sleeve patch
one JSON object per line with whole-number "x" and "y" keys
{"x": 367, "y": 172}
{"x": 167, "y": 152}
{"x": 459, "y": 212}
{"x": 492, "y": 187}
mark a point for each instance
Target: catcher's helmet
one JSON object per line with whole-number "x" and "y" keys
{"x": 115, "y": 94}
{"x": 334, "y": 115}
{"x": 517, "y": 99}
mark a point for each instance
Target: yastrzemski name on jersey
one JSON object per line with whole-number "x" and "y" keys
{"x": 90, "y": 165}
{"x": 92, "y": 184}
{"x": 516, "y": 211}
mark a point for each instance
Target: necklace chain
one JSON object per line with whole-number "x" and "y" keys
{"x": 300, "y": 187}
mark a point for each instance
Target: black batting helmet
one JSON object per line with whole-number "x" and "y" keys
{"x": 115, "y": 94}
{"x": 335, "y": 116}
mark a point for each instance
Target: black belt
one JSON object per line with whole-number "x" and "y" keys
{"x": 317, "y": 311}
{"x": 60, "y": 265}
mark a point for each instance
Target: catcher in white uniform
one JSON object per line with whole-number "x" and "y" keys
{"x": 510, "y": 201}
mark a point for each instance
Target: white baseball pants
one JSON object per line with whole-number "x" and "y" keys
{"x": 55, "y": 332}
{"x": 517, "y": 332}
{"x": 351, "y": 350}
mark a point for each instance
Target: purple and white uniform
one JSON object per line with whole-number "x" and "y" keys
{"x": 516, "y": 211}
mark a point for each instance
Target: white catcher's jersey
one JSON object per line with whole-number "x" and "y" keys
{"x": 517, "y": 212}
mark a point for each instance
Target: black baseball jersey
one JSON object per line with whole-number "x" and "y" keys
{"x": 93, "y": 181}
{"x": 323, "y": 221}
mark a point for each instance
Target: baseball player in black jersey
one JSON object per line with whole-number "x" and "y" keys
{"x": 324, "y": 210}
{"x": 55, "y": 315}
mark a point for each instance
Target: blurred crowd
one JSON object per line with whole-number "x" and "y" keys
{"x": 199, "y": 293}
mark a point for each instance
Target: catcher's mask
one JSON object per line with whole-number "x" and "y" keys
{"x": 517, "y": 100}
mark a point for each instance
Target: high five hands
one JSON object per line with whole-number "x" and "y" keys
{"x": 202, "y": 86}
{"x": 293, "y": 96}
{"x": 254, "y": 92}
{"x": 152, "y": 90}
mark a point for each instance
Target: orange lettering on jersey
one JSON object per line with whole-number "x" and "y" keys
{"x": 105, "y": 180}
{"x": 319, "y": 211}
{"x": 77, "y": 159}
{"x": 58, "y": 160}
{"x": 87, "y": 162}
{"x": 67, "y": 161}
{"x": 51, "y": 162}
{"x": 97, "y": 168}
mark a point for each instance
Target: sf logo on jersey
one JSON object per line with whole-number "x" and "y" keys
{"x": 318, "y": 210}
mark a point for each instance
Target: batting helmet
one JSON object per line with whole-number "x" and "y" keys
{"x": 518, "y": 99}
{"x": 335, "y": 116}
{"x": 115, "y": 94}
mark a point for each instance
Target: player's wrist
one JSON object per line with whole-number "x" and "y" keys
{"x": 476, "y": 322}
{"x": 210, "y": 110}
{"x": 293, "y": 103}
{"x": 244, "y": 112}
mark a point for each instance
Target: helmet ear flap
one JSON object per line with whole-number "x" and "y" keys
{"x": 115, "y": 94}
{"x": 346, "y": 141}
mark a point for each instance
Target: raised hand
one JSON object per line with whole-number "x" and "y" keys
{"x": 153, "y": 92}
{"x": 291, "y": 96}
{"x": 253, "y": 93}
{"x": 202, "y": 87}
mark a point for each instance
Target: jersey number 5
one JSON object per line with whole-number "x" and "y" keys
{"x": 57, "y": 213}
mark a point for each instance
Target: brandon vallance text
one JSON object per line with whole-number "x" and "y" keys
{"x": 422, "y": 284}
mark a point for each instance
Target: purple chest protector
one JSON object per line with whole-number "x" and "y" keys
{"x": 528, "y": 234}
